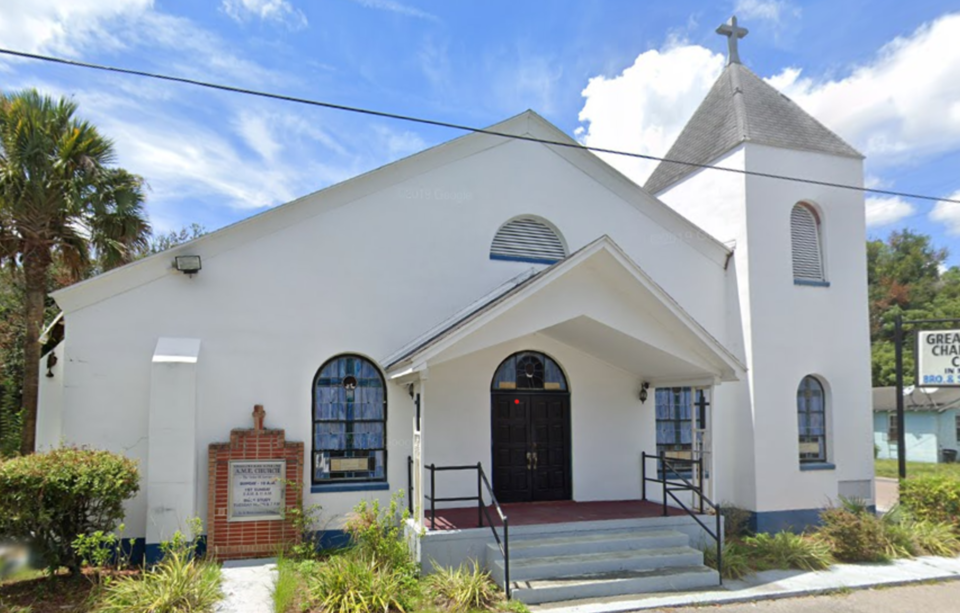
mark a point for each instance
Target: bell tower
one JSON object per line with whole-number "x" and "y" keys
{"x": 797, "y": 291}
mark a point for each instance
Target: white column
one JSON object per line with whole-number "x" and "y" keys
{"x": 171, "y": 438}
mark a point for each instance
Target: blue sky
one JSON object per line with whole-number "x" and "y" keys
{"x": 619, "y": 74}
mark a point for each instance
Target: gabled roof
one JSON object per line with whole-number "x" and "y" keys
{"x": 528, "y": 123}
{"x": 917, "y": 399}
{"x": 504, "y": 298}
{"x": 742, "y": 108}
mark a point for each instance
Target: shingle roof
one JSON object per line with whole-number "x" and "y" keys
{"x": 938, "y": 399}
{"x": 742, "y": 107}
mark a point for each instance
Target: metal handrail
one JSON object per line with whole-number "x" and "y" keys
{"x": 482, "y": 511}
{"x": 684, "y": 485}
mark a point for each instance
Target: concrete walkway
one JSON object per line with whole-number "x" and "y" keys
{"x": 778, "y": 584}
{"x": 248, "y": 586}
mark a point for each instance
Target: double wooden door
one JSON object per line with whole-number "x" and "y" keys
{"x": 531, "y": 446}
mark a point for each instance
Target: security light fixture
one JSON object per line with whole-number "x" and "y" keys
{"x": 51, "y": 362}
{"x": 643, "y": 391}
{"x": 187, "y": 264}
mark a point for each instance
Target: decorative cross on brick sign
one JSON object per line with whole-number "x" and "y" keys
{"x": 247, "y": 497}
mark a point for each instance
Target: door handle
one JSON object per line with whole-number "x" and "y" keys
{"x": 529, "y": 461}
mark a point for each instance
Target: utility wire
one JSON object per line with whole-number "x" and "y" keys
{"x": 461, "y": 127}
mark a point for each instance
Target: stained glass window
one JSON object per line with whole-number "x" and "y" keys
{"x": 529, "y": 370}
{"x": 675, "y": 423}
{"x": 349, "y": 422}
{"x": 811, "y": 414}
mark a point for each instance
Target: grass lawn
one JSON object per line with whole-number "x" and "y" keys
{"x": 888, "y": 468}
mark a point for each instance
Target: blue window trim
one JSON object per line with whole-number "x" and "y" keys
{"x": 348, "y": 487}
{"x": 811, "y": 283}
{"x": 510, "y": 258}
{"x": 818, "y": 466}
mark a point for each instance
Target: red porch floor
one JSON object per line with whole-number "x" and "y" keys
{"x": 532, "y": 513}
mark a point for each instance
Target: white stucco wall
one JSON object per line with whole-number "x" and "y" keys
{"x": 363, "y": 277}
{"x": 790, "y": 331}
{"x": 50, "y": 400}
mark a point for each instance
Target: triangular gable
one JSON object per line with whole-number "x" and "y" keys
{"x": 418, "y": 355}
{"x": 278, "y": 218}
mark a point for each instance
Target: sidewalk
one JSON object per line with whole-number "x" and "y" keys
{"x": 778, "y": 584}
{"x": 248, "y": 586}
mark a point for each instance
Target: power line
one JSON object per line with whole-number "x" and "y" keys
{"x": 461, "y": 127}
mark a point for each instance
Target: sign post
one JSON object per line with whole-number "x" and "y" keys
{"x": 937, "y": 365}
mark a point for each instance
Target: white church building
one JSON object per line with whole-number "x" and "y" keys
{"x": 513, "y": 304}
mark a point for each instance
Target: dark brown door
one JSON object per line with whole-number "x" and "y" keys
{"x": 531, "y": 447}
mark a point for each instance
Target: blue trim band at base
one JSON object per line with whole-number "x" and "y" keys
{"x": 348, "y": 487}
{"x": 818, "y": 466}
{"x": 811, "y": 283}
{"x": 509, "y": 258}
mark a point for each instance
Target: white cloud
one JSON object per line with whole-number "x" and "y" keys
{"x": 767, "y": 10}
{"x": 904, "y": 103}
{"x": 278, "y": 11}
{"x": 948, "y": 213}
{"x": 887, "y": 210}
{"x": 66, "y": 27}
{"x": 644, "y": 108}
{"x": 397, "y": 7}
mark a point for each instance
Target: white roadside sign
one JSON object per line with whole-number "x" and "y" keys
{"x": 938, "y": 358}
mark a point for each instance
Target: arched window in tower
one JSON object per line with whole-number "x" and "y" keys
{"x": 805, "y": 235}
{"x": 527, "y": 239}
{"x": 812, "y": 420}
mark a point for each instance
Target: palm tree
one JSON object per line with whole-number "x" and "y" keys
{"x": 61, "y": 203}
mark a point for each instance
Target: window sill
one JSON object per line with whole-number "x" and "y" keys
{"x": 811, "y": 283}
{"x": 328, "y": 488}
{"x": 818, "y": 466}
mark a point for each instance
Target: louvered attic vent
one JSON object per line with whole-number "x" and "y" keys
{"x": 527, "y": 240}
{"x": 805, "y": 235}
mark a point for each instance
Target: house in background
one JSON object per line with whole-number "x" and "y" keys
{"x": 932, "y": 423}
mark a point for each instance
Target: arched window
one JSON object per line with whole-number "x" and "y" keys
{"x": 349, "y": 422}
{"x": 806, "y": 243}
{"x": 527, "y": 240}
{"x": 812, "y": 419}
{"x": 529, "y": 370}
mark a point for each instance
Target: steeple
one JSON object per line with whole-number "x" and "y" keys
{"x": 742, "y": 108}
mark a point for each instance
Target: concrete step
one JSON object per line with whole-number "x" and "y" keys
{"x": 528, "y": 569}
{"x": 615, "y": 583}
{"x": 591, "y": 542}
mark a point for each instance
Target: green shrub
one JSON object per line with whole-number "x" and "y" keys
{"x": 179, "y": 583}
{"x": 736, "y": 559}
{"x": 736, "y": 520}
{"x": 933, "y": 498}
{"x": 935, "y": 538}
{"x": 352, "y": 582}
{"x": 785, "y": 550}
{"x": 854, "y": 537}
{"x": 47, "y": 499}
{"x": 466, "y": 588}
{"x": 377, "y": 534}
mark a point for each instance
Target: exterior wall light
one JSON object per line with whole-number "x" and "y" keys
{"x": 643, "y": 391}
{"x": 187, "y": 264}
{"x": 51, "y": 362}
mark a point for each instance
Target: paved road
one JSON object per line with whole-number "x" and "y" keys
{"x": 929, "y": 598}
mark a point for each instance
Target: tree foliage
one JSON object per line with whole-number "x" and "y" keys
{"x": 62, "y": 204}
{"x": 906, "y": 276}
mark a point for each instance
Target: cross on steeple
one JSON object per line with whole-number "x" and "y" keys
{"x": 733, "y": 33}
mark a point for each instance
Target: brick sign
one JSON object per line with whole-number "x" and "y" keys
{"x": 248, "y": 492}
